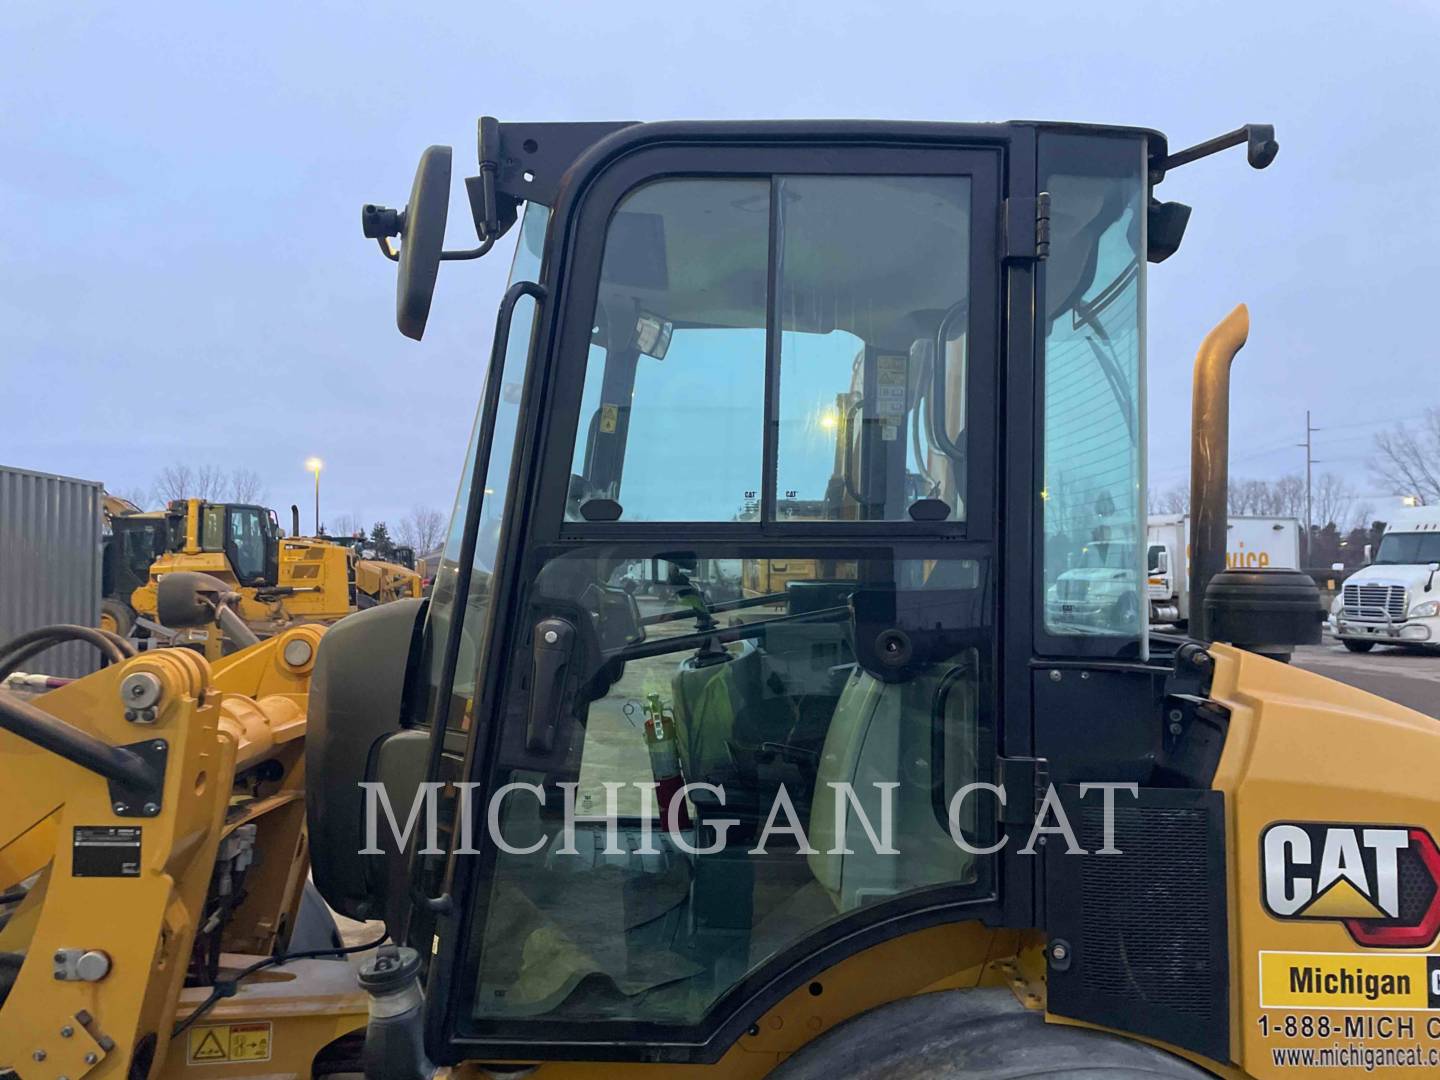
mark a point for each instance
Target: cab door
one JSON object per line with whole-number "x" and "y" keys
{"x": 743, "y": 653}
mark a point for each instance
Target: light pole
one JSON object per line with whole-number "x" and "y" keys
{"x": 314, "y": 464}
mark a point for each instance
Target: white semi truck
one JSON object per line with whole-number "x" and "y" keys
{"x": 1255, "y": 542}
{"x": 1396, "y": 599}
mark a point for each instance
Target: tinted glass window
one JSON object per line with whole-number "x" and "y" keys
{"x": 765, "y": 678}
{"x": 1094, "y": 362}
{"x": 445, "y": 605}
{"x": 1413, "y": 548}
{"x": 873, "y": 287}
{"x": 673, "y": 405}
{"x": 247, "y": 543}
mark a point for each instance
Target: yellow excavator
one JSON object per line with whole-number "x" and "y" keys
{"x": 281, "y": 580}
{"x": 928, "y": 816}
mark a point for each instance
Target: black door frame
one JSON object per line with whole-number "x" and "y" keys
{"x": 574, "y": 249}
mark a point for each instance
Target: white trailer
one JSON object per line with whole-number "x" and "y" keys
{"x": 1256, "y": 542}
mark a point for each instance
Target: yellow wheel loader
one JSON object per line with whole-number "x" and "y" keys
{"x": 282, "y": 581}
{"x": 920, "y": 814}
{"x": 153, "y": 839}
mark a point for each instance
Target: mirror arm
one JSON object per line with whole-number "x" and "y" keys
{"x": 472, "y": 253}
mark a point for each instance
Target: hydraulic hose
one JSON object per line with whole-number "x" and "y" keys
{"x": 16, "y": 651}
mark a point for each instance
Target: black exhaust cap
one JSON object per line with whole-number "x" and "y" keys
{"x": 1267, "y": 611}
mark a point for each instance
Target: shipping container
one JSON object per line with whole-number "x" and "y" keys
{"x": 50, "y": 541}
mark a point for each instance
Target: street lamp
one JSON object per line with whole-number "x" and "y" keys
{"x": 314, "y": 464}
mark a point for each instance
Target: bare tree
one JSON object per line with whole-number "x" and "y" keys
{"x": 1288, "y": 496}
{"x": 137, "y": 495}
{"x": 422, "y": 529}
{"x": 181, "y": 481}
{"x": 345, "y": 525}
{"x": 1175, "y": 500}
{"x": 174, "y": 482}
{"x": 247, "y": 487}
{"x": 1333, "y": 501}
{"x": 1409, "y": 460}
{"x": 1251, "y": 497}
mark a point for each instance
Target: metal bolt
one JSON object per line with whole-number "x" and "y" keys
{"x": 140, "y": 690}
{"x": 1055, "y": 675}
{"x": 66, "y": 1031}
{"x": 1176, "y": 729}
{"x": 158, "y": 745}
{"x": 551, "y": 637}
{"x": 91, "y": 1058}
{"x": 152, "y": 808}
{"x": 1059, "y": 951}
{"x": 121, "y": 808}
{"x": 60, "y": 956}
{"x": 39, "y": 1055}
{"x": 1176, "y": 715}
{"x": 131, "y": 715}
{"x": 1084, "y": 674}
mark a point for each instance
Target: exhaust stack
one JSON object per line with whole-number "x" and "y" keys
{"x": 1210, "y": 458}
{"x": 294, "y": 520}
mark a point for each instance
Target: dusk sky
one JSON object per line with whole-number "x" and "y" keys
{"x": 185, "y": 278}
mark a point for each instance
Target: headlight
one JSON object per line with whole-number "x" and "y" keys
{"x": 1428, "y": 610}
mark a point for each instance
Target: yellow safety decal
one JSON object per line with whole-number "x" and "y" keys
{"x": 609, "y": 418}
{"x": 229, "y": 1042}
{"x": 1349, "y": 981}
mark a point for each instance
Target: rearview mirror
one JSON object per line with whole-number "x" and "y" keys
{"x": 421, "y": 228}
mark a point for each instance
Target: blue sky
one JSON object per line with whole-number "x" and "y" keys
{"x": 185, "y": 278}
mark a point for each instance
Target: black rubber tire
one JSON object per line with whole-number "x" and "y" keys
{"x": 1357, "y": 646}
{"x": 973, "y": 1035}
{"x": 121, "y": 613}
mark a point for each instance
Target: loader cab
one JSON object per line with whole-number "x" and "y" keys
{"x": 248, "y": 536}
{"x": 135, "y": 541}
{"x": 885, "y": 380}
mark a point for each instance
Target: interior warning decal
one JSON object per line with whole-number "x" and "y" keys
{"x": 1381, "y": 881}
{"x": 220, "y": 1043}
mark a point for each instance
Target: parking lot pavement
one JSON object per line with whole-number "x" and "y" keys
{"x": 1411, "y": 678}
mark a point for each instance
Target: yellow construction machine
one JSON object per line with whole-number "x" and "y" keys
{"x": 921, "y": 813}
{"x": 152, "y": 843}
{"x": 282, "y": 580}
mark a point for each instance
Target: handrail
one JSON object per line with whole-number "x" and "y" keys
{"x": 484, "y": 442}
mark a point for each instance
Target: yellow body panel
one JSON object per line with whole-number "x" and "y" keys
{"x": 1302, "y": 748}
{"x": 318, "y": 572}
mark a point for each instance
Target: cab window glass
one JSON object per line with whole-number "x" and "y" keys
{"x": 767, "y": 678}
{"x": 672, "y": 408}
{"x": 1092, "y": 492}
{"x": 247, "y": 544}
{"x": 873, "y": 295}
{"x": 474, "y": 608}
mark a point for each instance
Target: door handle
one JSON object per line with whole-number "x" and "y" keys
{"x": 553, "y": 649}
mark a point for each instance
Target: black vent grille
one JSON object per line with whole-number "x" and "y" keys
{"x": 1143, "y": 938}
{"x": 1148, "y": 949}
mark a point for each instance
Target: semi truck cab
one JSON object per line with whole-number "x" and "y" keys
{"x": 1396, "y": 599}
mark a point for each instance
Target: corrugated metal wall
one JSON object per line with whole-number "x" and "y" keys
{"x": 50, "y": 562}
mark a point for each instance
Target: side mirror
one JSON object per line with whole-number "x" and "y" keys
{"x": 421, "y": 228}
{"x": 185, "y": 600}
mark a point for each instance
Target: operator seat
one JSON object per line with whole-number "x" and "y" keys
{"x": 886, "y": 732}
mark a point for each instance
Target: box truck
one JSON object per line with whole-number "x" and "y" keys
{"x": 1250, "y": 542}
